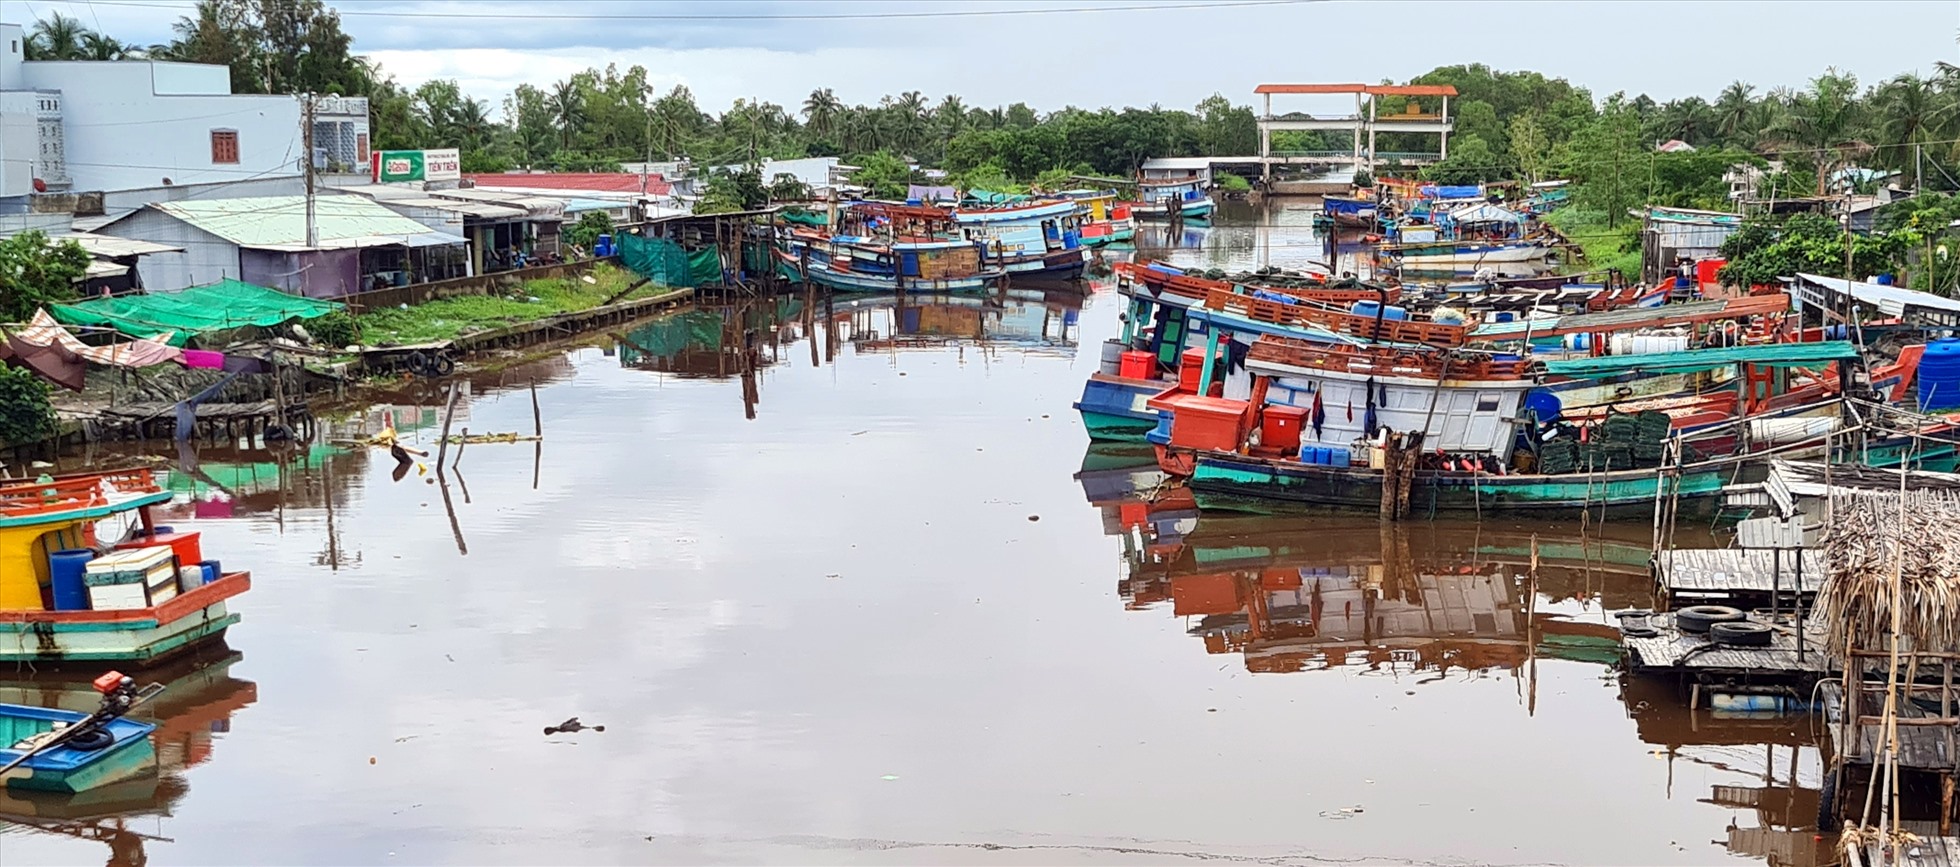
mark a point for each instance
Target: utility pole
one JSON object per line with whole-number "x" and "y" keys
{"x": 306, "y": 169}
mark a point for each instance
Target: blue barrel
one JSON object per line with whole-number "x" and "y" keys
{"x": 66, "y": 569}
{"x": 603, "y": 246}
{"x": 1545, "y": 404}
{"x": 1939, "y": 375}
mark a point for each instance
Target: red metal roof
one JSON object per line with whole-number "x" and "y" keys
{"x": 1310, "y": 88}
{"x": 591, "y": 182}
{"x": 1373, "y": 89}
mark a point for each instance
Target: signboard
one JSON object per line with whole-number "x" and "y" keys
{"x": 396, "y": 167}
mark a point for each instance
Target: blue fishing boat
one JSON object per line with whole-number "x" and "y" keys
{"x": 52, "y": 750}
{"x": 1156, "y": 198}
{"x": 1040, "y": 240}
{"x": 1349, "y": 213}
{"x": 886, "y": 247}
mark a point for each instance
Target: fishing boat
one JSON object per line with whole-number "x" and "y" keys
{"x": 1349, "y": 213}
{"x": 63, "y": 600}
{"x": 1311, "y": 434}
{"x": 1471, "y": 257}
{"x": 1030, "y": 240}
{"x": 1157, "y": 197}
{"x": 1102, "y": 217}
{"x": 50, "y": 750}
{"x": 1159, "y": 324}
{"x": 887, "y": 247}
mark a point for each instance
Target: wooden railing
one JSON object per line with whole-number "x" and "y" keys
{"x": 1198, "y": 287}
{"x": 71, "y": 493}
{"x": 1381, "y": 361}
{"x": 481, "y": 284}
{"x": 1356, "y": 324}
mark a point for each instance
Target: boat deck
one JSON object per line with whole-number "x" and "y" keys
{"x": 1921, "y": 747}
{"x": 1744, "y": 578}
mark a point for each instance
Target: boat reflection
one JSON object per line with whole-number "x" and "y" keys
{"x": 1291, "y": 596}
{"x": 196, "y": 706}
{"x": 1022, "y": 320}
{"x": 714, "y": 342}
{"x": 1772, "y": 765}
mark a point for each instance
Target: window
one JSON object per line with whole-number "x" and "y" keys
{"x": 1487, "y": 403}
{"x": 224, "y": 146}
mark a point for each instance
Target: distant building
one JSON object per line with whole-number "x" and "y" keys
{"x": 1178, "y": 169}
{"x": 1675, "y": 146}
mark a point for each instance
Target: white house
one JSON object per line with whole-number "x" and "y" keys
{"x": 148, "y": 131}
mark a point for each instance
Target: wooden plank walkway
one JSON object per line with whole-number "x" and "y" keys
{"x": 1926, "y": 852}
{"x": 1729, "y": 571}
{"x": 1669, "y": 649}
{"x": 1921, "y": 747}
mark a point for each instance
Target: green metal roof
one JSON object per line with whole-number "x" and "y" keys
{"x": 1693, "y": 360}
{"x": 279, "y": 222}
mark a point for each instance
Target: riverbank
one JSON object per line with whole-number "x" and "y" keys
{"x": 1603, "y": 245}
{"x": 534, "y": 300}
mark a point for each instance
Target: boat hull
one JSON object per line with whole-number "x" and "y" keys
{"x": 1242, "y": 484}
{"x": 1194, "y": 209}
{"x": 142, "y": 636}
{"x": 1115, "y": 409}
{"x": 65, "y": 769}
{"x": 843, "y": 281}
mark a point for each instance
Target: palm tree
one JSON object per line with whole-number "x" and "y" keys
{"x": 96, "y": 46}
{"x": 909, "y": 119}
{"x": 1821, "y": 122}
{"x": 1690, "y": 120}
{"x": 473, "y": 123}
{"x": 951, "y": 115}
{"x": 821, "y": 110}
{"x": 56, "y": 37}
{"x": 567, "y": 104}
{"x": 1733, "y": 110}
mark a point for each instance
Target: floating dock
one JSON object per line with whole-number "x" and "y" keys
{"x": 1738, "y": 577}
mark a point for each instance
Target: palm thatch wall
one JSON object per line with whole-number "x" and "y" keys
{"x": 1871, "y": 535}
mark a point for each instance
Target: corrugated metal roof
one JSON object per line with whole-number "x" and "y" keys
{"x": 535, "y": 205}
{"x": 279, "y": 222}
{"x": 484, "y": 210}
{"x": 1890, "y": 300}
{"x": 112, "y": 248}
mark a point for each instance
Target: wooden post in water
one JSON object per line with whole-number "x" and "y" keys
{"x": 537, "y": 416}
{"x": 448, "y": 415}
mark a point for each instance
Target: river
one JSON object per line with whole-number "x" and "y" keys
{"x": 862, "y": 594}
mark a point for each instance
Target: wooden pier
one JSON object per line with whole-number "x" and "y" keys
{"x": 1738, "y": 577}
{"x": 1789, "y": 666}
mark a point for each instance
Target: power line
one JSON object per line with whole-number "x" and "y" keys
{"x": 813, "y": 16}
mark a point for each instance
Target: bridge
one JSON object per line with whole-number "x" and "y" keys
{"x": 1365, "y": 120}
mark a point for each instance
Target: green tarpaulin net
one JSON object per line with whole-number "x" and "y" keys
{"x": 804, "y": 218}
{"x": 666, "y": 263}
{"x": 194, "y": 311}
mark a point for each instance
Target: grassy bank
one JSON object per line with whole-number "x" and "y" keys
{"x": 450, "y": 318}
{"x": 1604, "y": 247}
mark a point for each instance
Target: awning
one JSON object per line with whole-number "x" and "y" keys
{"x": 436, "y": 239}
{"x": 1890, "y": 300}
{"x": 1695, "y": 360}
{"x": 108, "y": 247}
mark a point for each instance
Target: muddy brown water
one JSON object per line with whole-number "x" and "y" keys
{"x": 800, "y": 584}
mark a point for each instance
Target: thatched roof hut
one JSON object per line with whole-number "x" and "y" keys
{"x": 1873, "y": 537}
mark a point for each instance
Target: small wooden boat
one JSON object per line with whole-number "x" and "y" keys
{"x": 1470, "y": 257}
{"x": 1104, "y": 219}
{"x": 1349, "y": 213}
{"x": 68, "y": 751}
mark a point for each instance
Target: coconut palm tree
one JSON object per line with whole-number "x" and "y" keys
{"x": 820, "y": 110}
{"x": 56, "y": 37}
{"x": 567, "y": 105}
{"x": 1733, "y": 110}
{"x": 951, "y": 115}
{"x": 1909, "y": 112}
{"x": 96, "y": 46}
{"x": 1690, "y": 120}
{"x": 1821, "y": 123}
{"x": 473, "y": 124}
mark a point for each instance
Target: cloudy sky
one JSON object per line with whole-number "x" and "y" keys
{"x": 1052, "y": 53}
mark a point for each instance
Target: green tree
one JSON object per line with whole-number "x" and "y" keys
{"x": 34, "y": 273}
{"x": 883, "y": 173}
{"x": 727, "y": 192}
{"x": 786, "y": 187}
{"x": 1819, "y": 124}
{"x": 56, "y": 37}
{"x": 591, "y": 224}
{"x": 820, "y": 110}
{"x": 26, "y": 415}
{"x": 566, "y": 105}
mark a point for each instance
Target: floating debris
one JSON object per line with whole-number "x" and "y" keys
{"x": 570, "y": 726}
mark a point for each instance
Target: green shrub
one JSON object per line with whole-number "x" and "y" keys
{"x": 26, "y": 415}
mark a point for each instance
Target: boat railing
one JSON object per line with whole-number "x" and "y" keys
{"x": 1199, "y": 287}
{"x": 20, "y": 499}
{"x": 1376, "y": 361}
{"x": 1359, "y": 325}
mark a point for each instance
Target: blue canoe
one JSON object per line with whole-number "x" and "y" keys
{"x": 87, "y": 763}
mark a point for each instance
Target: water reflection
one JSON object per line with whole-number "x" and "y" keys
{"x": 192, "y": 715}
{"x": 1013, "y": 319}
